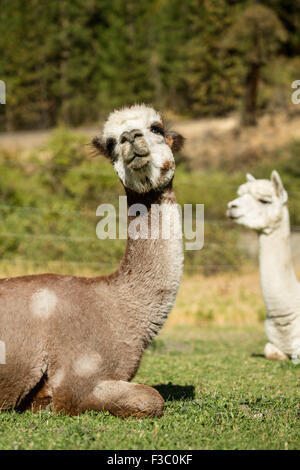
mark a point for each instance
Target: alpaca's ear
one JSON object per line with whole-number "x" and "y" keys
{"x": 175, "y": 141}
{"x": 250, "y": 178}
{"x": 105, "y": 147}
{"x": 279, "y": 189}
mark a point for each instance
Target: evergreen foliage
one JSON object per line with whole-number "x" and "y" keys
{"x": 73, "y": 61}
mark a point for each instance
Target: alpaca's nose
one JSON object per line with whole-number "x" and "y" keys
{"x": 232, "y": 205}
{"x": 130, "y": 136}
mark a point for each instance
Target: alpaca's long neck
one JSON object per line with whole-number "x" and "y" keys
{"x": 279, "y": 283}
{"x": 150, "y": 272}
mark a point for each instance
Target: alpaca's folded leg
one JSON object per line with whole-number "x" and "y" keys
{"x": 273, "y": 353}
{"x": 118, "y": 397}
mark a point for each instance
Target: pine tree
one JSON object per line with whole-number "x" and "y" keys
{"x": 75, "y": 88}
{"x": 73, "y": 61}
{"x": 123, "y": 53}
{"x": 255, "y": 35}
{"x": 211, "y": 76}
{"x": 25, "y": 32}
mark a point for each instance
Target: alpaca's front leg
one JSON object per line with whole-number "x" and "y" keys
{"x": 273, "y": 353}
{"x": 128, "y": 399}
{"x": 118, "y": 397}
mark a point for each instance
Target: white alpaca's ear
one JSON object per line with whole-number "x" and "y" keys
{"x": 250, "y": 178}
{"x": 279, "y": 189}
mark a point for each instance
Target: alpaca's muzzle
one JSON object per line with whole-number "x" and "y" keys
{"x": 136, "y": 152}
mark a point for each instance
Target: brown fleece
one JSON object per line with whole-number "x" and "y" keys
{"x": 76, "y": 342}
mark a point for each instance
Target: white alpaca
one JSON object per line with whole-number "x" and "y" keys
{"x": 262, "y": 206}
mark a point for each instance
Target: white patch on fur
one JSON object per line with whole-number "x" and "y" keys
{"x": 86, "y": 364}
{"x": 126, "y": 119}
{"x": 43, "y": 303}
{"x": 57, "y": 378}
{"x": 2, "y": 352}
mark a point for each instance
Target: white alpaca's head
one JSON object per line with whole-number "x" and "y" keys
{"x": 260, "y": 203}
{"x": 140, "y": 148}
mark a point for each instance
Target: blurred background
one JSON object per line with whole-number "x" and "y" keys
{"x": 220, "y": 71}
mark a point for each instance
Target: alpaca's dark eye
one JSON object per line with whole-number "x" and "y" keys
{"x": 265, "y": 201}
{"x": 157, "y": 129}
{"x": 110, "y": 145}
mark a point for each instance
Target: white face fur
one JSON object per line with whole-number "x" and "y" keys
{"x": 141, "y": 155}
{"x": 260, "y": 203}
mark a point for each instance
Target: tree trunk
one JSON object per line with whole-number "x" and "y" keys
{"x": 252, "y": 80}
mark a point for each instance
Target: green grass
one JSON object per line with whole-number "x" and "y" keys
{"x": 220, "y": 394}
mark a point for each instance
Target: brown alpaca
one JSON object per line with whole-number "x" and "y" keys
{"x": 76, "y": 342}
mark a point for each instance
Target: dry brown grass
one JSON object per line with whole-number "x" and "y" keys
{"x": 224, "y": 299}
{"x": 223, "y": 143}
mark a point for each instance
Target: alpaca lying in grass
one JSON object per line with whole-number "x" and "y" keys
{"x": 77, "y": 342}
{"x": 262, "y": 206}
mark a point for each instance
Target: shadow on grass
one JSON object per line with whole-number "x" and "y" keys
{"x": 171, "y": 392}
{"x": 261, "y": 356}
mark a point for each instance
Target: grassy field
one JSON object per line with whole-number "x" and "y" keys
{"x": 207, "y": 362}
{"x": 220, "y": 394}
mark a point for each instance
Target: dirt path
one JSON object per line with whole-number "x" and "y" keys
{"x": 209, "y": 142}
{"x": 26, "y": 140}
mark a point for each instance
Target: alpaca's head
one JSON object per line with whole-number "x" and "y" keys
{"x": 260, "y": 203}
{"x": 140, "y": 148}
